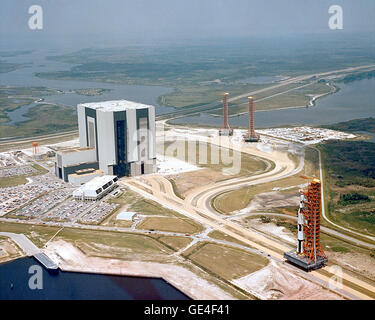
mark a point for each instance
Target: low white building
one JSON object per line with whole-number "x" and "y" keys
{"x": 126, "y": 215}
{"x": 85, "y": 175}
{"x": 70, "y": 160}
{"x": 96, "y": 188}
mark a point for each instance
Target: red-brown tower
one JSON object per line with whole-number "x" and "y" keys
{"x": 309, "y": 254}
{"x": 251, "y": 134}
{"x": 35, "y": 148}
{"x": 311, "y": 211}
{"x": 225, "y": 128}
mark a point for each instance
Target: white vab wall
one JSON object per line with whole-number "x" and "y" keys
{"x": 81, "y": 125}
{"x": 106, "y": 138}
{"x": 132, "y": 136}
{"x": 152, "y": 135}
{"x": 91, "y": 130}
{"x": 77, "y": 157}
{"x": 143, "y": 140}
{"x": 100, "y": 133}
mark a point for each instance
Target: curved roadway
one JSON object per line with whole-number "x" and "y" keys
{"x": 197, "y": 206}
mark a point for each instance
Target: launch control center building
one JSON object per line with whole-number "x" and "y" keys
{"x": 116, "y": 138}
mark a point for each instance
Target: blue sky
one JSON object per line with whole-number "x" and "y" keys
{"x": 173, "y": 19}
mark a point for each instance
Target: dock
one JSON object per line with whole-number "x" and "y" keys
{"x": 31, "y": 249}
{"x": 45, "y": 261}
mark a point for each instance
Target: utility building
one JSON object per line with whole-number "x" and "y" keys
{"x": 120, "y": 136}
{"x": 96, "y": 188}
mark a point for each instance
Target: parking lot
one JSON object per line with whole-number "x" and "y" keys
{"x": 43, "y": 204}
{"x": 12, "y": 198}
{"x": 6, "y": 160}
{"x": 69, "y": 210}
{"x": 99, "y": 212}
{"x": 45, "y": 197}
{"x": 17, "y": 171}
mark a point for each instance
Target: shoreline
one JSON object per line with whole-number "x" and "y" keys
{"x": 69, "y": 258}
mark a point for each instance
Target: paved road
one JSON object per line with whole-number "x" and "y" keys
{"x": 23, "y": 242}
{"x": 166, "y": 196}
{"x": 262, "y": 244}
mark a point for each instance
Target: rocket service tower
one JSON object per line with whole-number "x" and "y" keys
{"x": 309, "y": 254}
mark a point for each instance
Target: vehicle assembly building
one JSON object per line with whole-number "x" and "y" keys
{"x": 309, "y": 254}
{"x": 116, "y": 137}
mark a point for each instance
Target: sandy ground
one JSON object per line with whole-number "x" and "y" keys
{"x": 189, "y": 180}
{"x": 70, "y": 258}
{"x": 270, "y": 200}
{"x": 275, "y": 282}
{"x": 359, "y": 262}
{"x": 172, "y": 166}
{"x": 273, "y": 229}
{"x": 9, "y": 250}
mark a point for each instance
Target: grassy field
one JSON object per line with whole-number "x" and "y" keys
{"x": 183, "y": 225}
{"x": 293, "y": 97}
{"x": 366, "y": 124}
{"x": 350, "y": 176}
{"x": 222, "y": 236}
{"x": 192, "y": 154}
{"x": 12, "y": 98}
{"x": 176, "y": 243}
{"x": 227, "y": 262}
{"x": 131, "y": 201}
{"x": 226, "y": 166}
{"x": 37, "y": 234}
{"x": 193, "y": 96}
{"x": 238, "y": 199}
{"x": 124, "y": 246}
{"x": 6, "y": 182}
{"x": 44, "y": 119}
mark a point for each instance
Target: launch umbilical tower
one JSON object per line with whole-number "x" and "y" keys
{"x": 225, "y": 128}
{"x": 251, "y": 134}
{"x": 309, "y": 254}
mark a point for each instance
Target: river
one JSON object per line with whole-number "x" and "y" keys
{"x": 37, "y": 62}
{"x": 354, "y": 100}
